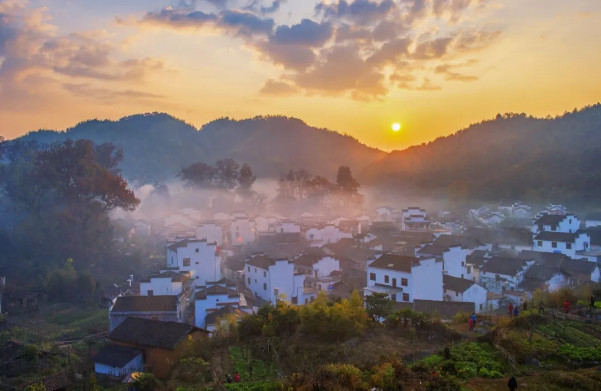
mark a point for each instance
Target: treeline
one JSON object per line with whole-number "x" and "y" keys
{"x": 55, "y": 203}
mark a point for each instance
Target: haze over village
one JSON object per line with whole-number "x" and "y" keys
{"x": 318, "y": 195}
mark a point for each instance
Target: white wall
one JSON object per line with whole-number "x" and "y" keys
{"x": 205, "y": 264}
{"x": 325, "y": 266}
{"x": 161, "y": 286}
{"x": 212, "y": 233}
{"x": 278, "y": 280}
{"x": 427, "y": 280}
{"x": 329, "y": 234}
{"x": 135, "y": 365}
{"x": 454, "y": 263}
{"x": 582, "y": 242}
{"x": 211, "y": 302}
{"x": 242, "y": 231}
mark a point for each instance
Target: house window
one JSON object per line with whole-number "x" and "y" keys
{"x": 255, "y": 270}
{"x": 150, "y": 292}
{"x": 186, "y": 261}
{"x": 456, "y": 294}
{"x": 197, "y": 250}
{"x": 264, "y": 273}
{"x": 248, "y": 268}
{"x": 197, "y": 262}
{"x": 540, "y": 243}
{"x": 386, "y": 279}
{"x": 264, "y": 286}
{"x": 404, "y": 282}
{"x": 248, "y": 280}
{"x": 569, "y": 246}
{"x": 480, "y": 307}
{"x": 394, "y": 282}
{"x": 393, "y": 297}
{"x": 372, "y": 276}
{"x": 405, "y": 296}
{"x": 554, "y": 244}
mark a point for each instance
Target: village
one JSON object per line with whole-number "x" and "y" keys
{"x": 234, "y": 264}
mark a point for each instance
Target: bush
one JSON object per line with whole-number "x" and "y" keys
{"x": 580, "y": 354}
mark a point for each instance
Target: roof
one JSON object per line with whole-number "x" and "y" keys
{"x": 261, "y": 261}
{"x": 401, "y": 263}
{"x": 184, "y": 243}
{"x": 116, "y": 356}
{"x": 515, "y": 236}
{"x": 576, "y": 266}
{"x": 145, "y": 304}
{"x": 216, "y": 290}
{"x": 477, "y": 257}
{"x": 456, "y": 284}
{"x": 53, "y": 383}
{"x": 308, "y": 259}
{"x": 503, "y": 265}
{"x": 541, "y": 272}
{"x": 432, "y": 249}
{"x": 174, "y": 275}
{"x": 151, "y": 333}
{"x": 548, "y": 219}
{"x": 556, "y": 236}
{"x": 541, "y": 258}
{"x": 463, "y": 241}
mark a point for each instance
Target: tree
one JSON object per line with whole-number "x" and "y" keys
{"x": 345, "y": 181}
{"x": 227, "y": 174}
{"x": 378, "y": 305}
{"x": 246, "y": 179}
{"x": 199, "y": 175}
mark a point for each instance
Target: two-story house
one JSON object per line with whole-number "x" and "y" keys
{"x": 199, "y": 257}
{"x": 502, "y": 273}
{"x": 463, "y": 290}
{"x": 274, "y": 279}
{"x": 453, "y": 259}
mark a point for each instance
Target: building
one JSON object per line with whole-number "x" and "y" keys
{"x": 242, "y": 230}
{"x": 405, "y": 278}
{"x": 164, "y": 308}
{"x": 453, "y": 259}
{"x": 545, "y": 277}
{"x": 502, "y": 273}
{"x": 165, "y": 284}
{"x": 212, "y": 299}
{"x": 561, "y": 242}
{"x": 118, "y": 361}
{"x": 163, "y": 343}
{"x": 211, "y": 232}
{"x": 320, "y": 236}
{"x": 461, "y": 289}
{"x": 414, "y": 219}
{"x": 321, "y": 271}
{"x": 580, "y": 271}
{"x": 567, "y": 223}
{"x": 199, "y": 257}
{"x": 274, "y": 279}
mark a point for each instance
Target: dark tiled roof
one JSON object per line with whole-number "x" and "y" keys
{"x": 307, "y": 259}
{"x": 575, "y": 266}
{"x": 503, "y": 265}
{"x": 541, "y": 272}
{"x": 261, "y": 261}
{"x": 541, "y": 258}
{"x": 463, "y": 241}
{"x": 431, "y": 249}
{"x": 116, "y": 356}
{"x": 216, "y": 290}
{"x": 595, "y": 235}
{"x": 556, "y": 236}
{"x": 395, "y": 262}
{"x": 478, "y": 257}
{"x": 456, "y": 284}
{"x": 53, "y": 383}
{"x": 514, "y": 236}
{"x": 145, "y": 304}
{"x": 484, "y": 235}
{"x": 151, "y": 333}
{"x": 548, "y": 219}
{"x": 184, "y": 243}
{"x": 175, "y": 276}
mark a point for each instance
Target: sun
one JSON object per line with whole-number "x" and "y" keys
{"x": 396, "y": 126}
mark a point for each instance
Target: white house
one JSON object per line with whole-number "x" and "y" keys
{"x": 284, "y": 226}
{"x": 405, "y": 278}
{"x": 460, "y": 289}
{"x": 321, "y": 271}
{"x": 580, "y": 271}
{"x": 320, "y": 236}
{"x": 546, "y": 277}
{"x": 212, "y": 299}
{"x": 520, "y": 210}
{"x": 211, "y": 231}
{"x": 163, "y": 308}
{"x": 242, "y": 230}
{"x": 453, "y": 259}
{"x": 274, "y": 279}
{"x": 501, "y": 273}
{"x": 118, "y": 361}
{"x": 414, "y": 219}
{"x": 198, "y": 257}
{"x": 561, "y": 242}
{"x": 566, "y": 223}
{"x": 165, "y": 284}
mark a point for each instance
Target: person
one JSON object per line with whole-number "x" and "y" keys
{"x": 470, "y": 323}
{"x": 515, "y": 311}
{"x": 541, "y": 307}
{"x": 512, "y": 384}
{"x": 592, "y": 302}
{"x": 566, "y": 306}
{"x": 510, "y": 309}
{"x": 474, "y": 318}
{"x": 236, "y": 377}
{"x": 228, "y": 378}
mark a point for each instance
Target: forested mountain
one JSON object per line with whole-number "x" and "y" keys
{"x": 156, "y": 146}
{"x": 510, "y": 157}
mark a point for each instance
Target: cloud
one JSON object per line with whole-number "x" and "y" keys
{"x": 275, "y": 87}
{"x": 449, "y": 74}
{"x": 307, "y": 33}
{"x": 88, "y": 91}
{"x": 435, "y": 48}
{"x": 359, "y": 10}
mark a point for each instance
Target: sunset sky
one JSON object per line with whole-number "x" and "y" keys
{"x": 356, "y": 67}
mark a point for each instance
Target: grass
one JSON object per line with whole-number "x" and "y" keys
{"x": 260, "y": 369}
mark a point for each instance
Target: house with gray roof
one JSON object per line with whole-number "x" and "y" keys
{"x": 463, "y": 290}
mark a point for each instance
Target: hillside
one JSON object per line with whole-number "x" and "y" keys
{"x": 157, "y": 145}
{"x": 512, "y": 156}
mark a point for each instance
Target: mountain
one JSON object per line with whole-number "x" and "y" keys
{"x": 513, "y": 156}
{"x": 157, "y": 145}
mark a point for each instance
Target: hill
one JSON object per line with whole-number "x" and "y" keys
{"x": 157, "y": 145}
{"x": 510, "y": 157}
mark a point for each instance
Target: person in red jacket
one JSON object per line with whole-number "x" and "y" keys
{"x": 236, "y": 378}
{"x": 510, "y": 310}
{"x": 566, "y": 306}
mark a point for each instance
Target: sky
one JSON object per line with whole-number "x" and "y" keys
{"x": 354, "y": 66}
